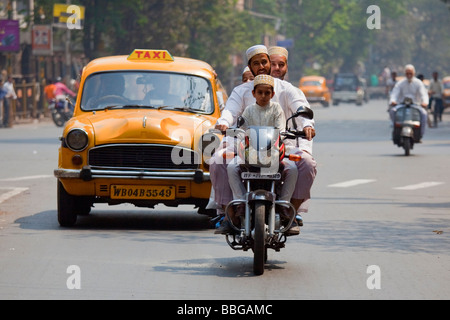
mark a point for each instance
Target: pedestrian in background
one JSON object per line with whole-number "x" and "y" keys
{"x": 10, "y": 94}
{"x": 435, "y": 92}
{"x": 5, "y": 112}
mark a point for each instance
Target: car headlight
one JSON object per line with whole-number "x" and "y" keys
{"x": 77, "y": 140}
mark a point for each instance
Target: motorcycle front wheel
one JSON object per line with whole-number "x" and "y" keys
{"x": 259, "y": 245}
{"x": 407, "y": 146}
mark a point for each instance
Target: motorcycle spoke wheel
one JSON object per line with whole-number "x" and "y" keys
{"x": 259, "y": 246}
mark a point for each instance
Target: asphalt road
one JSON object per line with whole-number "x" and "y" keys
{"x": 378, "y": 227}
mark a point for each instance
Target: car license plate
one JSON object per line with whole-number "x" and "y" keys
{"x": 257, "y": 175}
{"x": 142, "y": 192}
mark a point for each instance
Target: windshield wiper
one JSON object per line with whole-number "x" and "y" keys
{"x": 181, "y": 108}
{"x": 129, "y": 106}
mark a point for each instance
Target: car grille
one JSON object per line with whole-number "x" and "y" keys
{"x": 313, "y": 94}
{"x": 154, "y": 157}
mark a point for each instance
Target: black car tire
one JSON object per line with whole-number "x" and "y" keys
{"x": 67, "y": 215}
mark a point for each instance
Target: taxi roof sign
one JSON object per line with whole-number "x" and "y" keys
{"x": 150, "y": 55}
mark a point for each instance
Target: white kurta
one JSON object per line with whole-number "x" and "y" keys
{"x": 415, "y": 90}
{"x": 289, "y": 97}
{"x": 271, "y": 115}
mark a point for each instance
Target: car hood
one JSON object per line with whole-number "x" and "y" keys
{"x": 146, "y": 126}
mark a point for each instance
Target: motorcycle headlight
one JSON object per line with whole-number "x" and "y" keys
{"x": 77, "y": 140}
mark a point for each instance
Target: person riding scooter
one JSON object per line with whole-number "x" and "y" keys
{"x": 410, "y": 87}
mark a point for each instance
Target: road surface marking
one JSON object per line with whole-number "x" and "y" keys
{"x": 351, "y": 183}
{"x": 420, "y": 185}
{"x": 10, "y": 194}
{"x": 27, "y": 178}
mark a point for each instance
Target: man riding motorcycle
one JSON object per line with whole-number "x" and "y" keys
{"x": 289, "y": 97}
{"x": 410, "y": 87}
{"x": 60, "y": 91}
{"x": 307, "y": 167}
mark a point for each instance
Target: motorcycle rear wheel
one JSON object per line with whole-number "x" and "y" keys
{"x": 259, "y": 245}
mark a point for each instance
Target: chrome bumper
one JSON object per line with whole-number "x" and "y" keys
{"x": 315, "y": 99}
{"x": 88, "y": 174}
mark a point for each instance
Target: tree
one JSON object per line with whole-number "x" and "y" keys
{"x": 213, "y": 31}
{"x": 331, "y": 34}
{"x": 416, "y": 37}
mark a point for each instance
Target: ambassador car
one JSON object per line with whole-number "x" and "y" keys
{"x": 315, "y": 89}
{"x": 138, "y": 134}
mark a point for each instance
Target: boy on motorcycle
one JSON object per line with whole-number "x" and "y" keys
{"x": 263, "y": 113}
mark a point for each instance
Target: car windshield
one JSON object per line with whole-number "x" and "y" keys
{"x": 345, "y": 83}
{"x": 142, "y": 89}
{"x": 311, "y": 83}
{"x": 447, "y": 85}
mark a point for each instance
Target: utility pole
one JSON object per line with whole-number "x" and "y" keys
{"x": 68, "y": 71}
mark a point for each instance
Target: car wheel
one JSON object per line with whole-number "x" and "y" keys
{"x": 67, "y": 215}
{"x": 83, "y": 206}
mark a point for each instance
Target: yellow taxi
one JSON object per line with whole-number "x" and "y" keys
{"x": 315, "y": 89}
{"x": 139, "y": 134}
{"x": 446, "y": 92}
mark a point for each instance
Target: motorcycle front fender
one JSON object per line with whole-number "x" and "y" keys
{"x": 261, "y": 195}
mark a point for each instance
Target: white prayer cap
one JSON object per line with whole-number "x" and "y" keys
{"x": 278, "y": 50}
{"x": 246, "y": 69}
{"x": 252, "y": 51}
{"x": 263, "y": 79}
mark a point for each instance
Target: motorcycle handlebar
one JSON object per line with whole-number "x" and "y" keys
{"x": 294, "y": 134}
{"x": 290, "y": 134}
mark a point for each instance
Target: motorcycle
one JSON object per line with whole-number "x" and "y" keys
{"x": 407, "y": 125}
{"x": 58, "y": 110}
{"x": 262, "y": 227}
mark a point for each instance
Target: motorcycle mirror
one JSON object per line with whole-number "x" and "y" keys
{"x": 240, "y": 121}
{"x": 304, "y": 112}
{"x": 407, "y": 101}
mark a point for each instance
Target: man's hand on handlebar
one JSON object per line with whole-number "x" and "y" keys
{"x": 310, "y": 133}
{"x": 222, "y": 127}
